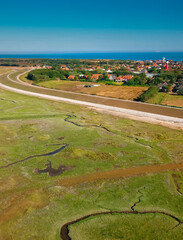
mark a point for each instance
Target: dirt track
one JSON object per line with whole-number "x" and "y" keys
{"x": 121, "y": 173}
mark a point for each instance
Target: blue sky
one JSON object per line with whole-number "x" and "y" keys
{"x": 90, "y": 26}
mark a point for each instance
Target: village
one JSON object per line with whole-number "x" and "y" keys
{"x": 164, "y": 74}
{"x": 167, "y": 75}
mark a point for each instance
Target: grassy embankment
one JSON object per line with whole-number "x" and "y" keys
{"x": 35, "y": 206}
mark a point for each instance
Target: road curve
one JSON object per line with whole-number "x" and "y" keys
{"x": 162, "y": 113}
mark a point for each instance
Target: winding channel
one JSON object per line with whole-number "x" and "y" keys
{"x": 67, "y": 119}
{"x": 139, "y": 199}
{"x": 64, "y": 145}
{"x": 64, "y": 232}
{"x": 37, "y": 155}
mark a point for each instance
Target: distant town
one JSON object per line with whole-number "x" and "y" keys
{"x": 162, "y": 75}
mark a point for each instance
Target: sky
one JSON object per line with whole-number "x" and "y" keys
{"x": 37, "y": 26}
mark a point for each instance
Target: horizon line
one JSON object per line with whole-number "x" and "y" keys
{"x": 83, "y": 52}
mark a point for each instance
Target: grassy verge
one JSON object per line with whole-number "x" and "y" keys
{"x": 24, "y": 78}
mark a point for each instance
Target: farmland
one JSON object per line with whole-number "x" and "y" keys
{"x": 81, "y": 143}
{"x": 123, "y": 92}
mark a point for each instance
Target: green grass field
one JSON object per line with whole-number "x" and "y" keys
{"x": 167, "y": 99}
{"x": 53, "y": 83}
{"x": 35, "y": 206}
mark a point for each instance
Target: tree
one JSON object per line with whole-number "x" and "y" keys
{"x": 180, "y": 92}
{"x": 165, "y": 89}
{"x": 32, "y": 77}
{"x": 105, "y": 78}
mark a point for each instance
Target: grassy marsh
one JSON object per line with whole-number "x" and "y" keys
{"x": 35, "y": 206}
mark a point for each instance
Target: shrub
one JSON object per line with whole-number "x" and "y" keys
{"x": 32, "y": 77}
{"x": 180, "y": 92}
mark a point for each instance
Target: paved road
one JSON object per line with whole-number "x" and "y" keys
{"x": 135, "y": 108}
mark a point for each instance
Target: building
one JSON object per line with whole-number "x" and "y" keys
{"x": 119, "y": 79}
{"x": 166, "y": 65}
{"x": 109, "y": 70}
{"x": 111, "y": 76}
{"x": 95, "y": 77}
{"x": 124, "y": 78}
{"x": 71, "y": 77}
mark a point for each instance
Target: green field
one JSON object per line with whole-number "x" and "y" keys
{"x": 54, "y": 83}
{"x": 167, "y": 99}
{"x": 35, "y": 205}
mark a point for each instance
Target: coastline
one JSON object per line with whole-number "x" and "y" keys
{"x": 135, "y": 56}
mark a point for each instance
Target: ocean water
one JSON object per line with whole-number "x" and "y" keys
{"x": 175, "y": 56}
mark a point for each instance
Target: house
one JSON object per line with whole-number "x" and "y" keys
{"x": 38, "y": 67}
{"x": 95, "y": 77}
{"x": 47, "y": 67}
{"x": 71, "y": 77}
{"x": 89, "y": 69}
{"x": 119, "y": 79}
{"x": 124, "y": 78}
{"x": 81, "y": 75}
{"x": 151, "y": 75}
{"x": 127, "y": 77}
{"x": 111, "y": 76}
{"x": 65, "y": 68}
{"x": 109, "y": 70}
{"x": 161, "y": 85}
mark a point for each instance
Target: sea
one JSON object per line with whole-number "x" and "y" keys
{"x": 175, "y": 56}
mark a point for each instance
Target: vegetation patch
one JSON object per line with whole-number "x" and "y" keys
{"x": 151, "y": 92}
